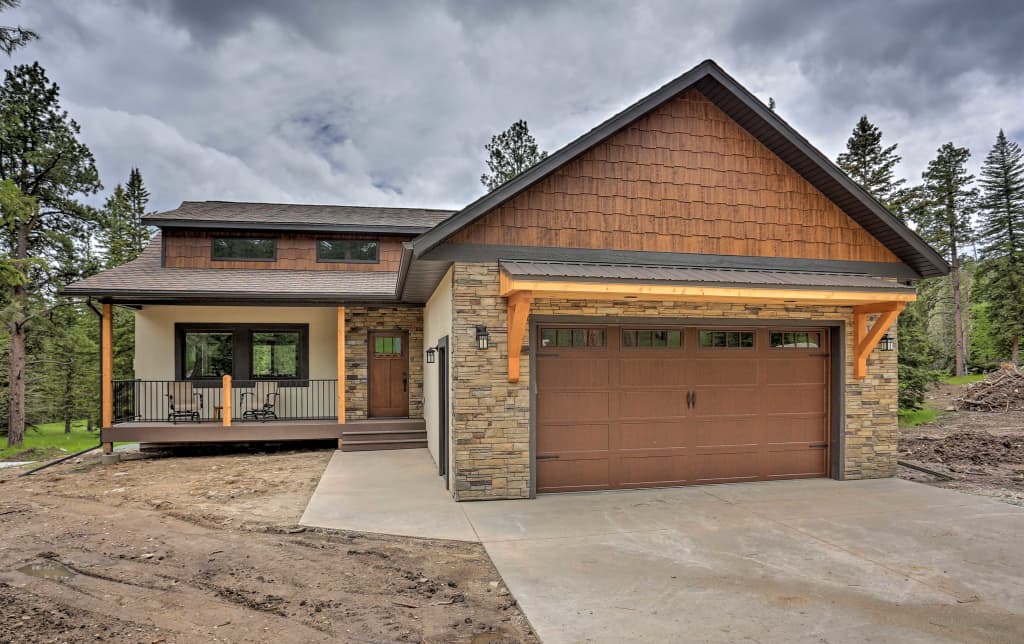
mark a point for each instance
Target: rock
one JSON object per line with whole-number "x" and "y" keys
{"x": 493, "y": 584}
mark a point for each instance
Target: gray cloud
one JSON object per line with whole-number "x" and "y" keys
{"x": 392, "y": 102}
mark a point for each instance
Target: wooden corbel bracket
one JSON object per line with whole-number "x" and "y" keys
{"x": 518, "y": 314}
{"x": 866, "y": 339}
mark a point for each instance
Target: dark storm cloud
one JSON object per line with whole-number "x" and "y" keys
{"x": 391, "y": 102}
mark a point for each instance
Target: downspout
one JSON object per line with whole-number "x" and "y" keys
{"x": 99, "y": 318}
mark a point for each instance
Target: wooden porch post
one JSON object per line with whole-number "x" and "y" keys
{"x": 225, "y": 399}
{"x": 341, "y": 367}
{"x": 107, "y": 372}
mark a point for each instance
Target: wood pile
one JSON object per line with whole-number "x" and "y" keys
{"x": 1002, "y": 390}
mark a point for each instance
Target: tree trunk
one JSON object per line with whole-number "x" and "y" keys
{"x": 16, "y": 413}
{"x": 958, "y": 319}
{"x": 69, "y": 399}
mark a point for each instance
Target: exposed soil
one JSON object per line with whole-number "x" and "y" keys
{"x": 982, "y": 451}
{"x": 207, "y": 548}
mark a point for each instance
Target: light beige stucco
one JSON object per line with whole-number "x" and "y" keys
{"x": 437, "y": 323}
{"x": 154, "y": 334}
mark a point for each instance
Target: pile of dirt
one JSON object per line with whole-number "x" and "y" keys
{"x": 966, "y": 448}
{"x": 1002, "y": 390}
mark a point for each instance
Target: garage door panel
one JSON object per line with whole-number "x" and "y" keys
{"x": 645, "y": 403}
{"x": 653, "y": 434}
{"x": 643, "y": 369}
{"x": 580, "y": 406}
{"x": 573, "y": 437}
{"x": 728, "y": 430}
{"x": 563, "y": 475}
{"x": 795, "y": 428}
{"x": 725, "y": 369}
{"x": 797, "y": 462}
{"x": 795, "y": 399}
{"x": 719, "y": 401}
{"x": 798, "y": 370}
{"x": 665, "y": 469}
{"x": 726, "y": 465}
{"x": 574, "y": 373}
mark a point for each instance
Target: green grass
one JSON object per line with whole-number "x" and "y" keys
{"x": 915, "y": 417}
{"x": 963, "y": 380}
{"x": 44, "y": 442}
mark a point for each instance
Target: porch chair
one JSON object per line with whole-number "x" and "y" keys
{"x": 184, "y": 403}
{"x": 267, "y": 411}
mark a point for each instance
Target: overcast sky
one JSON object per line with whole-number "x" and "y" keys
{"x": 391, "y": 103}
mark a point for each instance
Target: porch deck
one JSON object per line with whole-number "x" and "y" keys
{"x": 247, "y": 431}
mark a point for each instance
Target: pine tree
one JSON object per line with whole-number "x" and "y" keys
{"x": 43, "y": 167}
{"x": 137, "y": 195}
{"x": 945, "y": 222}
{"x": 916, "y": 374}
{"x": 871, "y": 165}
{"x": 12, "y": 38}
{"x": 1001, "y": 234}
{"x": 510, "y": 153}
{"x": 115, "y": 229}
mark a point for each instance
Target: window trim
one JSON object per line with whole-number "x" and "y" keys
{"x": 572, "y": 327}
{"x": 701, "y": 347}
{"x": 241, "y": 345}
{"x": 213, "y": 249}
{"x": 323, "y": 260}
{"x": 631, "y": 327}
{"x": 822, "y": 339}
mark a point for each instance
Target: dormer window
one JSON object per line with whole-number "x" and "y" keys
{"x": 348, "y": 250}
{"x": 245, "y": 249}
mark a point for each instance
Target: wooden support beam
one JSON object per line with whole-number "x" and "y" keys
{"x": 866, "y": 339}
{"x": 518, "y": 314}
{"x": 341, "y": 368}
{"x": 107, "y": 366}
{"x": 225, "y": 399}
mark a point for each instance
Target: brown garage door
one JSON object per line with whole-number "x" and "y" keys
{"x": 646, "y": 406}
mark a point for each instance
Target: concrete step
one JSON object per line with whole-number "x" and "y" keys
{"x": 375, "y": 445}
{"x": 371, "y": 435}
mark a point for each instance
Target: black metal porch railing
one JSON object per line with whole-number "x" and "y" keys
{"x": 186, "y": 401}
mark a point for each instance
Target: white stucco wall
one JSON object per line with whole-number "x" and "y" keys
{"x": 154, "y": 334}
{"x": 437, "y": 323}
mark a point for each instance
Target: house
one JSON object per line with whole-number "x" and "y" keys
{"x": 688, "y": 293}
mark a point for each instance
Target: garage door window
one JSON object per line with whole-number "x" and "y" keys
{"x": 715, "y": 339}
{"x": 573, "y": 338}
{"x": 652, "y": 338}
{"x": 795, "y": 339}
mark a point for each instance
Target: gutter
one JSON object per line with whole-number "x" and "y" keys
{"x": 403, "y": 269}
{"x": 289, "y": 227}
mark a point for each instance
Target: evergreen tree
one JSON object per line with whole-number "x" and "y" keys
{"x": 871, "y": 165}
{"x": 945, "y": 222}
{"x": 12, "y": 38}
{"x": 1001, "y": 233}
{"x": 116, "y": 229}
{"x": 43, "y": 167}
{"x": 916, "y": 357}
{"x": 510, "y": 153}
{"x": 137, "y": 195}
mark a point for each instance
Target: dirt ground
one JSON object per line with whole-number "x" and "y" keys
{"x": 982, "y": 451}
{"x": 207, "y": 548}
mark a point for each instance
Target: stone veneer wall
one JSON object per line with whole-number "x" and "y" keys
{"x": 359, "y": 320}
{"x": 491, "y": 428}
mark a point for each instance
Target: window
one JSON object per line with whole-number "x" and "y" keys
{"x": 795, "y": 339}
{"x": 244, "y": 249}
{"x": 387, "y": 345}
{"x": 243, "y": 351}
{"x": 575, "y": 338}
{"x": 654, "y": 338}
{"x": 347, "y": 250}
{"x": 275, "y": 355}
{"x": 727, "y": 339}
{"x": 207, "y": 354}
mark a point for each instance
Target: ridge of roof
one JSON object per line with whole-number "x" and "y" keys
{"x": 754, "y": 116}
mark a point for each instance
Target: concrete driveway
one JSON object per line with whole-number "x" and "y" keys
{"x": 813, "y": 560}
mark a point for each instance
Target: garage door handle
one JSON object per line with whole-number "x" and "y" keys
{"x": 694, "y": 400}
{"x": 689, "y": 399}
{"x": 547, "y": 457}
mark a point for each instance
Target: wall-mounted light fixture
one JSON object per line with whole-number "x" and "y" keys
{"x": 483, "y": 338}
{"x": 431, "y": 355}
{"x": 887, "y": 343}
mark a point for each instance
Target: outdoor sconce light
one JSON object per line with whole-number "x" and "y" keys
{"x": 483, "y": 339}
{"x": 431, "y": 355}
{"x": 887, "y": 342}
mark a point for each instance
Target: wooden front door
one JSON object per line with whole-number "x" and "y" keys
{"x": 389, "y": 374}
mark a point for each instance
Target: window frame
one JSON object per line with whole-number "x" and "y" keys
{"x": 324, "y": 260}
{"x": 822, "y": 339}
{"x": 701, "y": 347}
{"x": 572, "y": 327}
{"x": 213, "y": 249}
{"x": 638, "y": 347}
{"x": 241, "y": 350}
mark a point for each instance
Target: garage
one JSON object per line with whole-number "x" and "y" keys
{"x": 646, "y": 405}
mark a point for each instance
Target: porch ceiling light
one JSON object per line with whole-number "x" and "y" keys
{"x": 887, "y": 343}
{"x": 431, "y": 355}
{"x": 483, "y": 338}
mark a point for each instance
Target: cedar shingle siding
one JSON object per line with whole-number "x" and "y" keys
{"x": 686, "y": 179}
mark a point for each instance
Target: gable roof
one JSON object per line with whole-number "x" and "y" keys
{"x": 744, "y": 108}
{"x": 247, "y": 215}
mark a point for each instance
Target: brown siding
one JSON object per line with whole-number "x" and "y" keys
{"x": 192, "y": 249}
{"x": 685, "y": 179}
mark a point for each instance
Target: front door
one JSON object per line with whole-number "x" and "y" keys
{"x": 389, "y": 374}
